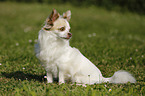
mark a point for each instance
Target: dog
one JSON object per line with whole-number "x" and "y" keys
{"x": 64, "y": 62}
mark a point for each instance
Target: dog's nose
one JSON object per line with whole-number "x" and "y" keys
{"x": 69, "y": 34}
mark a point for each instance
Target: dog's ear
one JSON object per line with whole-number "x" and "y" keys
{"x": 50, "y": 20}
{"x": 53, "y": 16}
{"x": 67, "y": 15}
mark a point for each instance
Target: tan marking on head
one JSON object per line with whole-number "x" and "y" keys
{"x": 59, "y": 23}
{"x": 55, "y": 21}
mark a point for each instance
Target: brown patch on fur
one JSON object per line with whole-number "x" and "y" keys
{"x": 54, "y": 15}
{"x": 50, "y": 20}
{"x": 64, "y": 16}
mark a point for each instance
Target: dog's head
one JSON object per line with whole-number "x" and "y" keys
{"x": 58, "y": 24}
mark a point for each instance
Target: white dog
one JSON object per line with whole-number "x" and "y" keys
{"x": 62, "y": 61}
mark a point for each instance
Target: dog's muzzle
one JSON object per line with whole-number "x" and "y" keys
{"x": 69, "y": 35}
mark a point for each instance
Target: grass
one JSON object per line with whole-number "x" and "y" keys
{"x": 111, "y": 40}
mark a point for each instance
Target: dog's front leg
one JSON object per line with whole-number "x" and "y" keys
{"x": 61, "y": 77}
{"x": 49, "y": 77}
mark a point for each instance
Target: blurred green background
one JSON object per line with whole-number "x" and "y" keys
{"x": 121, "y": 5}
{"x": 109, "y": 33}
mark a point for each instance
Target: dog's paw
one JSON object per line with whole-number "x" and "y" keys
{"x": 83, "y": 85}
{"x": 60, "y": 83}
{"x": 49, "y": 81}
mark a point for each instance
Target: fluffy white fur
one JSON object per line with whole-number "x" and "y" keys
{"x": 62, "y": 61}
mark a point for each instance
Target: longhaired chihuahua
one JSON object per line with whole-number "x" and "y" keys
{"x": 64, "y": 62}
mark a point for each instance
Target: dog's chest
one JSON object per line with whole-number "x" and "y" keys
{"x": 52, "y": 53}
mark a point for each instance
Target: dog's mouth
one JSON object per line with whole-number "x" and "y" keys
{"x": 67, "y": 38}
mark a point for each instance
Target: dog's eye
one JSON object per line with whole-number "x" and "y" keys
{"x": 62, "y": 28}
{"x": 46, "y": 29}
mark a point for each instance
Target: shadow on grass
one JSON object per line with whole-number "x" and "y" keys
{"x": 19, "y": 75}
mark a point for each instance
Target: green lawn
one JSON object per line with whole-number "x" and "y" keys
{"x": 111, "y": 40}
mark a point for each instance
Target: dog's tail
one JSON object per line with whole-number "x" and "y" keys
{"x": 120, "y": 76}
